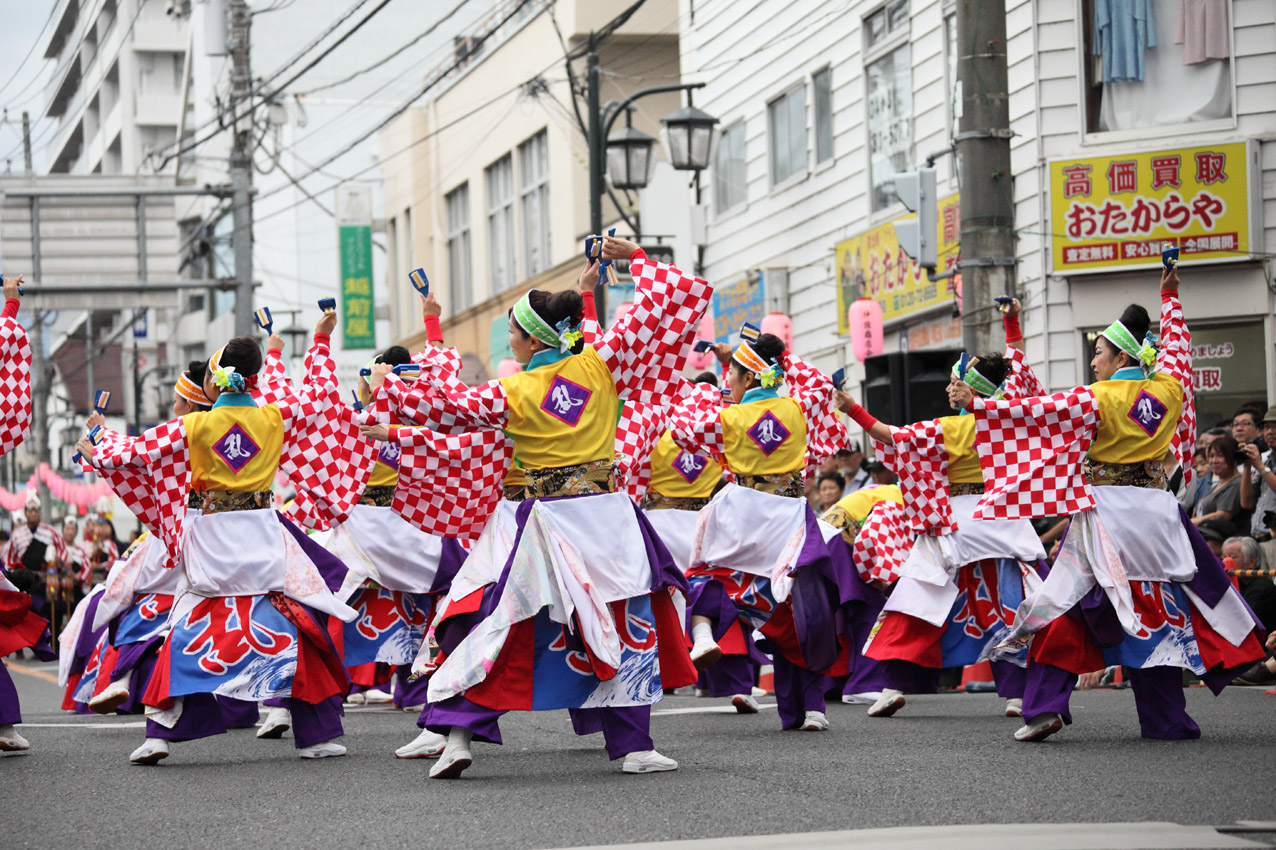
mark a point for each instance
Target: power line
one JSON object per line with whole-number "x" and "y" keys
{"x": 26, "y": 58}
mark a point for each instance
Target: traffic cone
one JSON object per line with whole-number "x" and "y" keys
{"x": 766, "y": 678}
{"x": 977, "y": 677}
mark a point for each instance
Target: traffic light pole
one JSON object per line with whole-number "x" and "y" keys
{"x": 983, "y": 157}
{"x": 241, "y": 163}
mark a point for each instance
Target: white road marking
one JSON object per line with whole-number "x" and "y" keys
{"x": 708, "y": 709}
{"x": 139, "y": 724}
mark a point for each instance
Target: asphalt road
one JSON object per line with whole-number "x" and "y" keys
{"x": 945, "y": 760}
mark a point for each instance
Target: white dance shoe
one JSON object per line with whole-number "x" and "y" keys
{"x": 152, "y": 751}
{"x": 427, "y": 745}
{"x": 648, "y": 761}
{"x": 278, "y": 721}
{"x": 887, "y": 704}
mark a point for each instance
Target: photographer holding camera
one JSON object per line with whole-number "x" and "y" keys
{"x": 1222, "y": 504}
{"x": 1258, "y": 484}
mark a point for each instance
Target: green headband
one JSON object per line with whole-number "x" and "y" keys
{"x": 1144, "y": 353}
{"x": 533, "y": 324}
{"x": 977, "y": 382}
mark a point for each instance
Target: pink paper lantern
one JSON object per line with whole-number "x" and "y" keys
{"x": 779, "y": 325}
{"x": 703, "y": 359}
{"x": 624, "y": 309}
{"x": 865, "y": 319}
{"x": 507, "y": 367}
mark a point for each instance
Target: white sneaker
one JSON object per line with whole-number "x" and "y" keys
{"x": 278, "y": 721}
{"x": 648, "y": 761}
{"x": 456, "y": 756}
{"x": 705, "y": 654}
{"x": 414, "y": 709}
{"x": 326, "y": 750}
{"x": 815, "y": 721}
{"x": 744, "y": 704}
{"x": 152, "y": 751}
{"x": 1040, "y": 729}
{"x": 702, "y": 692}
{"x": 866, "y": 698}
{"x": 356, "y": 699}
{"x": 759, "y": 692}
{"x": 427, "y": 745}
{"x": 1014, "y": 707}
{"x": 376, "y": 696}
{"x": 112, "y": 697}
{"x": 887, "y": 704}
{"x": 11, "y": 741}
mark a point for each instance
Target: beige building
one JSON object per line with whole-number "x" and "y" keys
{"x": 486, "y": 185}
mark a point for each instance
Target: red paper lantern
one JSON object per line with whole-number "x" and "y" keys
{"x": 865, "y": 319}
{"x": 701, "y": 360}
{"x": 780, "y": 325}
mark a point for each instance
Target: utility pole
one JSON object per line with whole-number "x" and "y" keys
{"x": 241, "y": 164}
{"x": 983, "y": 158}
{"x": 26, "y": 141}
{"x": 596, "y": 166}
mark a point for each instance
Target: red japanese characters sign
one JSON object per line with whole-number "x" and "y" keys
{"x": 1110, "y": 212}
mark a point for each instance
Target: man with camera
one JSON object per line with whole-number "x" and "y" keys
{"x": 1258, "y": 479}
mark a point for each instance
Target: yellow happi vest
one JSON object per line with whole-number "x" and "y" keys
{"x": 679, "y": 474}
{"x": 959, "y": 443}
{"x": 1137, "y": 419}
{"x": 861, "y": 502}
{"x": 234, "y": 448}
{"x": 564, "y": 413}
{"x": 764, "y": 437}
{"x": 385, "y": 470}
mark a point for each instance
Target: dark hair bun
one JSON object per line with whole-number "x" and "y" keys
{"x": 556, "y": 306}
{"x": 196, "y": 370}
{"x": 1136, "y": 321}
{"x": 770, "y": 348}
{"x": 993, "y": 367}
{"x": 705, "y": 378}
{"x": 244, "y": 353}
{"x": 395, "y": 355}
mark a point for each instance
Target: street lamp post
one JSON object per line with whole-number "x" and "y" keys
{"x": 627, "y": 155}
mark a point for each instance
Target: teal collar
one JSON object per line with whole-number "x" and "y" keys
{"x": 1129, "y": 373}
{"x": 546, "y": 357}
{"x": 235, "y": 400}
{"x": 758, "y": 394}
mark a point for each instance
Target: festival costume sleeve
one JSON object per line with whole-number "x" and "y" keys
{"x": 275, "y": 386}
{"x": 449, "y": 484}
{"x": 646, "y": 351}
{"x": 589, "y": 326}
{"x": 813, "y": 390}
{"x": 1175, "y": 359}
{"x": 323, "y": 454}
{"x": 1021, "y": 381}
{"x": 640, "y": 427}
{"x": 151, "y": 475}
{"x": 15, "y": 383}
{"x": 434, "y": 359}
{"x": 917, "y": 455}
{"x": 699, "y": 431}
{"x": 1031, "y": 452}
{"x": 883, "y": 543}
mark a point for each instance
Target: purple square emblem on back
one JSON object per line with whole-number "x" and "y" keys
{"x": 1147, "y": 412}
{"x": 236, "y": 448}
{"x": 689, "y": 466}
{"x": 566, "y": 401}
{"x": 389, "y": 454}
{"x": 768, "y": 433}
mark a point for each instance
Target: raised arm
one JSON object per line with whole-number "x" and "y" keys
{"x": 1175, "y": 358}
{"x": 814, "y": 391}
{"x": 442, "y": 400}
{"x": 15, "y": 371}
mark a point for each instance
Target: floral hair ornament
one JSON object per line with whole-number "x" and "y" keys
{"x": 1144, "y": 353}
{"x": 226, "y": 378}
{"x": 568, "y": 334}
{"x": 768, "y": 372}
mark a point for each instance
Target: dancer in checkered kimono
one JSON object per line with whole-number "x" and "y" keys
{"x": 131, "y": 610}
{"x": 760, "y": 556}
{"x": 872, "y": 523}
{"x": 20, "y": 627}
{"x": 253, "y": 605}
{"x": 566, "y": 617}
{"x": 1134, "y": 582}
{"x": 959, "y": 586}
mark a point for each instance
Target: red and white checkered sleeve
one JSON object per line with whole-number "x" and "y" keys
{"x": 883, "y": 543}
{"x": 814, "y": 391}
{"x": 15, "y": 384}
{"x": 465, "y": 407}
{"x": 1175, "y": 358}
{"x": 450, "y": 484}
{"x": 1021, "y": 381}
{"x": 646, "y": 351}
{"x": 917, "y": 455}
{"x": 275, "y": 386}
{"x": 700, "y": 432}
{"x": 438, "y": 359}
{"x": 417, "y": 404}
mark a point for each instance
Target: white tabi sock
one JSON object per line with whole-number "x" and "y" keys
{"x": 701, "y": 633}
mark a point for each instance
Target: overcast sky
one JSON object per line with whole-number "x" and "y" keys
{"x": 21, "y": 22}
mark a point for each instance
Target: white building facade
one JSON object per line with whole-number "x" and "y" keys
{"x": 1117, "y": 148}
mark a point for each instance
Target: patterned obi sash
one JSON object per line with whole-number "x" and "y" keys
{"x": 378, "y": 497}
{"x": 843, "y": 522}
{"x": 965, "y": 489}
{"x": 656, "y": 502}
{"x": 597, "y": 476}
{"x": 1149, "y": 474}
{"x": 225, "y": 501}
{"x": 778, "y": 484}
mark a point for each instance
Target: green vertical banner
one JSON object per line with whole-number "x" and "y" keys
{"x": 354, "y": 234}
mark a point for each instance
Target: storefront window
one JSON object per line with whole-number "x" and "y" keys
{"x": 890, "y": 123}
{"x": 1137, "y": 51}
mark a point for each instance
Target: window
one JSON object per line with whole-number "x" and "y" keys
{"x": 890, "y": 101}
{"x": 457, "y": 207}
{"x": 786, "y": 123}
{"x": 533, "y": 182}
{"x": 729, "y": 187}
{"x": 500, "y": 223}
{"x": 822, "y": 92}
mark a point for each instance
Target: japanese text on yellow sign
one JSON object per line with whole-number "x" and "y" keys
{"x": 1119, "y": 211}
{"x": 873, "y": 265}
